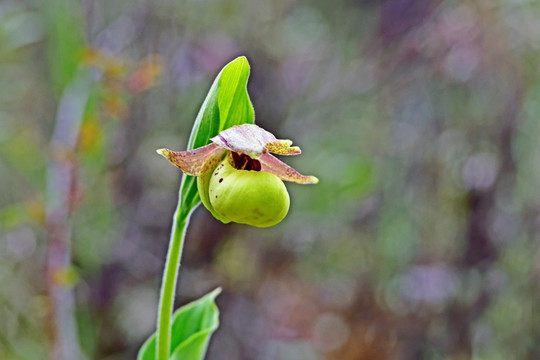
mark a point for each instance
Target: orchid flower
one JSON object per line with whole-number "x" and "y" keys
{"x": 238, "y": 179}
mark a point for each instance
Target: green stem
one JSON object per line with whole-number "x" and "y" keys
{"x": 168, "y": 286}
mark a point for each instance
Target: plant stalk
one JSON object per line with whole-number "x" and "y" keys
{"x": 61, "y": 184}
{"x": 168, "y": 285}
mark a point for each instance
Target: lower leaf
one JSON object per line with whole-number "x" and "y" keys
{"x": 193, "y": 325}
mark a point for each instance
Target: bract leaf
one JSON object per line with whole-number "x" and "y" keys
{"x": 235, "y": 107}
{"x": 227, "y": 104}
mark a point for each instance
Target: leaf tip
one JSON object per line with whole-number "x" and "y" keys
{"x": 214, "y": 293}
{"x": 242, "y": 60}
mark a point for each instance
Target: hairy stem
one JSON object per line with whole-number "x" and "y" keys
{"x": 168, "y": 286}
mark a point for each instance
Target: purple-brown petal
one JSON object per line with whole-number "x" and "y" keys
{"x": 195, "y": 162}
{"x": 272, "y": 165}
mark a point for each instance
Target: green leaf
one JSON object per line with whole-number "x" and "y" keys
{"x": 192, "y": 327}
{"x": 234, "y": 104}
{"x": 227, "y": 104}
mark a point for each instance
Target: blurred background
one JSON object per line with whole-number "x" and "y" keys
{"x": 420, "y": 117}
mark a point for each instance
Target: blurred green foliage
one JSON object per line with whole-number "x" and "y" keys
{"x": 419, "y": 117}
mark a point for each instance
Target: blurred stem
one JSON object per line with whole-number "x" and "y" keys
{"x": 61, "y": 186}
{"x": 168, "y": 286}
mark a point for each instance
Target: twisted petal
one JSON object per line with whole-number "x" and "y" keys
{"x": 195, "y": 162}
{"x": 283, "y": 171}
{"x": 283, "y": 147}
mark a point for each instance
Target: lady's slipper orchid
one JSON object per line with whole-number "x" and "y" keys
{"x": 237, "y": 177}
